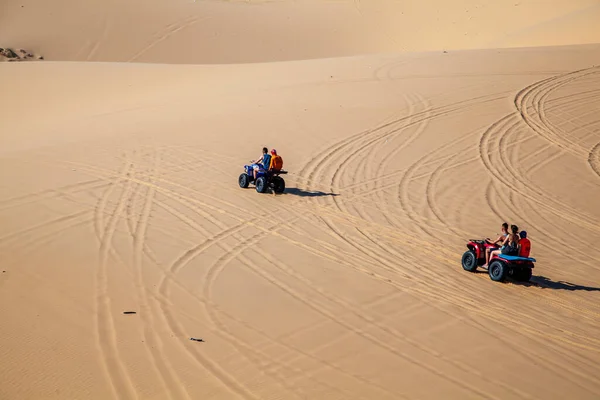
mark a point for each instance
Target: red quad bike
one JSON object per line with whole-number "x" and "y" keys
{"x": 501, "y": 266}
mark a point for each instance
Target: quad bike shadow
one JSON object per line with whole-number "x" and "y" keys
{"x": 308, "y": 193}
{"x": 543, "y": 282}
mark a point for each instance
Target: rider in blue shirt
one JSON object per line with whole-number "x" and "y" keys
{"x": 262, "y": 164}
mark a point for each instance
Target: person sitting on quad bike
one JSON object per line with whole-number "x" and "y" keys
{"x": 276, "y": 162}
{"x": 524, "y": 245}
{"x": 496, "y": 242}
{"x": 263, "y": 163}
{"x": 510, "y": 246}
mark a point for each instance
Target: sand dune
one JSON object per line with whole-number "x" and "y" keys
{"x": 218, "y": 31}
{"x": 118, "y": 193}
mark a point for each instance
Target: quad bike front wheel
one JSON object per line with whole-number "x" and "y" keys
{"x": 497, "y": 270}
{"x": 261, "y": 185}
{"x": 469, "y": 261}
{"x": 244, "y": 181}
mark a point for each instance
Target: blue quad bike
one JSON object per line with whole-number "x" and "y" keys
{"x": 264, "y": 180}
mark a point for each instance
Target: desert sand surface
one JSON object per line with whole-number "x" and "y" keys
{"x": 407, "y": 129}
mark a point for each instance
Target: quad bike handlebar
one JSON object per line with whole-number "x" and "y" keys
{"x": 477, "y": 241}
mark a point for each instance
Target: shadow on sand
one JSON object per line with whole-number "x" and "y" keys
{"x": 547, "y": 283}
{"x": 305, "y": 193}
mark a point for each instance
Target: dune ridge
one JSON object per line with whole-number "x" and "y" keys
{"x": 231, "y": 32}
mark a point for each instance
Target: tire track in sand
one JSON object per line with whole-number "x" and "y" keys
{"x": 488, "y": 311}
{"x": 34, "y": 242}
{"x": 12, "y": 236}
{"x": 188, "y": 259}
{"x": 169, "y": 275}
{"x": 536, "y": 94}
{"x": 51, "y": 193}
{"x": 370, "y": 136}
{"x": 362, "y": 333}
{"x": 106, "y": 338}
{"x": 582, "y": 338}
{"x": 173, "y": 386}
{"x": 389, "y": 215}
{"x": 170, "y": 321}
{"x": 129, "y": 181}
{"x": 226, "y": 379}
{"x": 492, "y": 194}
{"x": 166, "y": 33}
{"x": 259, "y": 357}
{"x": 371, "y": 318}
{"x": 100, "y": 40}
{"x": 403, "y": 188}
{"x": 558, "y": 338}
{"x": 369, "y": 141}
{"x": 443, "y": 294}
{"x": 209, "y": 280}
{"x": 270, "y": 279}
{"x": 525, "y": 188}
{"x": 362, "y": 164}
{"x": 528, "y": 190}
{"x": 492, "y": 318}
{"x": 506, "y": 127}
{"x": 230, "y": 254}
{"x": 540, "y": 100}
{"x": 594, "y": 159}
{"x": 393, "y": 236}
{"x": 208, "y": 304}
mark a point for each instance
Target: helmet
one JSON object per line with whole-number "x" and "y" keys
{"x": 523, "y": 234}
{"x": 274, "y": 152}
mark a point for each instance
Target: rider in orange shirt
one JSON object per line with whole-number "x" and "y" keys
{"x": 524, "y": 244}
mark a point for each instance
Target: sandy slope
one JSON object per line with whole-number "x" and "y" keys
{"x": 221, "y": 31}
{"x": 118, "y": 192}
{"x": 121, "y": 195}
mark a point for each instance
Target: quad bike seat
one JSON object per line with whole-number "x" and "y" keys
{"x": 278, "y": 172}
{"x": 516, "y": 258}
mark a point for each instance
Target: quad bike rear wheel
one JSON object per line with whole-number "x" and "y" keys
{"x": 522, "y": 274}
{"x": 497, "y": 270}
{"x": 244, "y": 181}
{"x": 469, "y": 261}
{"x": 526, "y": 276}
{"x": 278, "y": 184}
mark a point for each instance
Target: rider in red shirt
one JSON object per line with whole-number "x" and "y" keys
{"x": 525, "y": 245}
